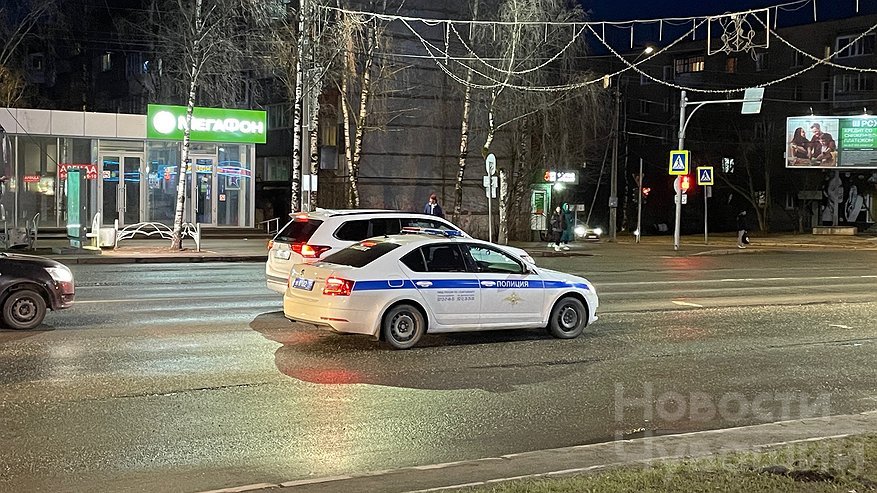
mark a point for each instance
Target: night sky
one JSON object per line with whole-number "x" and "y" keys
{"x": 651, "y": 9}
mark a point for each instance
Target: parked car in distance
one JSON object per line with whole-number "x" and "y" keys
{"x": 29, "y": 286}
{"x": 311, "y": 236}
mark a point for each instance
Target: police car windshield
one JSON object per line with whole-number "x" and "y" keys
{"x": 362, "y": 253}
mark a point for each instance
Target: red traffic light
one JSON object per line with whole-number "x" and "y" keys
{"x": 685, "y": 183}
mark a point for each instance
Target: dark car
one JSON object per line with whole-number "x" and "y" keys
{"x": 28, "y": 286}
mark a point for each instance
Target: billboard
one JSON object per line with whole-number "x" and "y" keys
{"x": 831, "y": 142}
{"x": 208, "y": 124}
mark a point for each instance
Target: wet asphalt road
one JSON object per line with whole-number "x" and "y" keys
{"x": 187, "y": 377}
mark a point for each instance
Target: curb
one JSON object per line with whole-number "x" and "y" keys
{"x": 110, "y": 260}
{"x": 579, "y": 459}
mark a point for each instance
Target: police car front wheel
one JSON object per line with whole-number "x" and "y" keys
{"x": 403, "y": 326}
{"x": 568, "y": 318}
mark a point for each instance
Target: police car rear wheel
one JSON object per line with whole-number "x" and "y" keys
{"x": 403, "y": 326}
{"x": 568, "y": 318}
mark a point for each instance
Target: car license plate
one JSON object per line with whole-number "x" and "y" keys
{"x": 282, "y": 254}
{"x": 302, "y": 283}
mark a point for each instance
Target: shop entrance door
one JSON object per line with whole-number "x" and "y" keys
{"x": 120, "y": 188}
{"x": 202, "y": 203}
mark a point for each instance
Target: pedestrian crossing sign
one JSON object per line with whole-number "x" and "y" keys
{"x": 679, "y": 162}
{"x": 705, "y": 175}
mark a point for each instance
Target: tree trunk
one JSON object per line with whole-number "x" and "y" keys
{"x": 177, "y": 234}
{"x": 314, "y": 148}
{"x": 361, "y": 123}
{"x": 295, "y": 182}
{"x": 464, "y": 148}
{"x": 502, "y": 236}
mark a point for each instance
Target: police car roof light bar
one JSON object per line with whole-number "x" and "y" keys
{"x": 430, "y": 231}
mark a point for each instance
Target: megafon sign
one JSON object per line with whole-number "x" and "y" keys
{"x": 208, "y": 124}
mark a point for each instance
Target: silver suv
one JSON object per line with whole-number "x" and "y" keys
{"x": 310, "y": 236}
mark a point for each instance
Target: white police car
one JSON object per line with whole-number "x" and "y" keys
{"x": 311, "y": 236}
{"x": 399, "y": 287}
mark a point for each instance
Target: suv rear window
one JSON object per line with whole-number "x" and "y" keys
{"x": 361, "y": 254}
{"x": 298, "y": 231}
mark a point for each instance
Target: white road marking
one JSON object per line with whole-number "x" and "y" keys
{"x": 685, "y": 303}
{"x": 241, "y": 489}
{"x": 838, "y": 326}
{"x": 170, "y": 298}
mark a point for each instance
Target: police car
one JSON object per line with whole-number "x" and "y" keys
{"x": 399, "y": 287}
{"x": 311, "y": 236}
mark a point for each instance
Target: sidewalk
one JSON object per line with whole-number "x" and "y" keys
{"x": 255, "y": 249}
{"x": 580, "y": 459}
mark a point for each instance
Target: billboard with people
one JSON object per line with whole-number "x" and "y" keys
{"x": 831, "y": 142}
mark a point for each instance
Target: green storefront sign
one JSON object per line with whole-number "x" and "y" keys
{"x": 167, "y": 122}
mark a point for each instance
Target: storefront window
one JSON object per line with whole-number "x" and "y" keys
{"x": 162, "y": 168}
{"x": 233, "y": 178}
{"x": 8, "y": 185}
{"x": 36, "y": 174}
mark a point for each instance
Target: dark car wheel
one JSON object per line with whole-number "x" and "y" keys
{"x": 403, "y": 326}
{"x": 568, "y": 318}
{"x": 24, "y": 310}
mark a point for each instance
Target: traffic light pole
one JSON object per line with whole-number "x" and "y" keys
{"x": 639, "y": 204}
{"x": 683, "y": 124}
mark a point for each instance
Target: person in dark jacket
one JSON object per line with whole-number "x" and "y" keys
{"x": 741, "y": 229}
{"x": 433, "y": 208}
{"x": 558, "y": 226}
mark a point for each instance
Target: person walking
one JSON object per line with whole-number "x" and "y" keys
{"x": 741, "y": 229}
{"x": 568, "y": 219}
{"x": 558, "y": 226}
{"x": 433, "y": 208}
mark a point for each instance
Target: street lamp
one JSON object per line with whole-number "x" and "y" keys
{"x": 613, "y": 186}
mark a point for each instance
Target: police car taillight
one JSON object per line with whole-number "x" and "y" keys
{"x": 309, "y": 251}
{"x": 335, "y": 286}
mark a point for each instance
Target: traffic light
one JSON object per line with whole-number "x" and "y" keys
{"x": 686, "y": 183}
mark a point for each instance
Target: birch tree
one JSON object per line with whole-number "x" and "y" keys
{"x": 204, "y": 49}
{"x": 19, "y": 23}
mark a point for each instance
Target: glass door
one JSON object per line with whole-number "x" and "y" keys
{"x": 110, "y": 189}
{"x": 120, "y": 188}
{"x": 203, "y": 186}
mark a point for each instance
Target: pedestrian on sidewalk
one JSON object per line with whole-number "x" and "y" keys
{"x": 433, "y": 208}
{"x": 566, "y": 236}
{"x": 742, "y": 235}
{"x": 558, "y": 226}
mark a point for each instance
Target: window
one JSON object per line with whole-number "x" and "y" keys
{"x": 329, "y": 134}
{"x": 134, "y": 65}
{"x": 415, "y": 261}
{"x": 384, "y": 226}
{"x": 353, "y": 230}
{"x": 797, "y": 93}
{"x": 846, "y": 47}
{"x": 106, "y": 62}
{"x": 727, "y": 165}
{"x": 426, "y": 223}
{"x": 689, "y": 64}
{"x": 825, "y": 93}
{"x": 644, "y": 80}
{"x": 731, "y": 65}
{"x": 298, "y": 231}
{"x": 761, "y": 62}
{"x": 790, "y": 202}
{"x": 278, "y": 116}
{"x": 361, "y": 254}
{"x": 37, "y": 62}
{"x": 494, "y": 261}
{"x": 444, "y": 258}
{"x": 645, "y": 107}
{"x": 797, "y": 58}
{"x": 668, "y": 73}
{"x": 666, "y": 105}
{"x": 853, "y": 83}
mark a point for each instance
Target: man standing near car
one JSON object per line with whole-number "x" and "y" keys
{"x": 432, "y": 207}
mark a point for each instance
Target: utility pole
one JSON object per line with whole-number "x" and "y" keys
{"x": 613, "y": 187}
{"x": 639, "y": 205}
{"x": 676, "y": 228}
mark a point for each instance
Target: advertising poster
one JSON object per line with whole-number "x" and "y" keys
{"x": 831, "y": 142}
